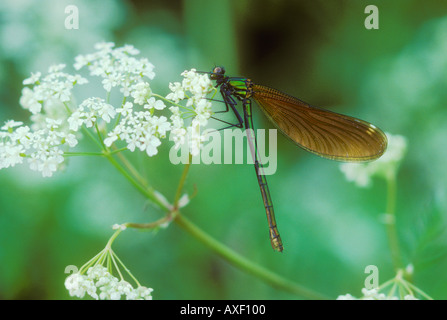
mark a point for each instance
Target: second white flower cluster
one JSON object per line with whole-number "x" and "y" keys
{"x": 98, "y": 283}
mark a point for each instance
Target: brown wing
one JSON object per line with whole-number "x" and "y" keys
{"x": 328, "y": 134}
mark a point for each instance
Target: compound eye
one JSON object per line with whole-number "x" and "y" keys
{"x": 219, "y": 70}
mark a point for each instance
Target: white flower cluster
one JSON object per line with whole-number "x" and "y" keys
{"x": 98, "y": 283}
{"x": 194, "y": 87}
{"x": 119, "y": 68}
{"x": 41, "y": 147}
{"x": 50, "y": 92}
{"x": 361, "y": 173}
{"x": 140, "y": 129}
{"x": 374, "y": 294}
{"x": 43, "y": 143}
{"x": 57, "y": 120}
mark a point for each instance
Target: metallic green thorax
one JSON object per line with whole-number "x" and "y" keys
{"x": 242, "y": 87}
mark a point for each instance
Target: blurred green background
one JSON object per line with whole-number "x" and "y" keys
{"x": 319, "y": 51}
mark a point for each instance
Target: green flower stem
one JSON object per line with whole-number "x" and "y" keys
{"x": 112, "y": 238}
{"x": 116, "y": 150}
{"x": 85, "y": 130}
{"x": 246, "y": 265}
{"x": 101, "y": 140}
{"x": 132, "y": 169}
{"x": 118, "y": 118}
{"x": 416, "y": 289}
{"x": 391, "y": 223}
{"x": 115, "y": 256}
{"x": 111, "y": 256}
{"x": 170, "y": 102}
{"x": 182, "y": 182}
{"x": 92, "y": 137}
{"x": 153, "y": 225}
{"x": 405, "y": 287}
{"x": 89, "y": 263}
{"x": 141, "y": 184}
{"x": 146, "y": 191}
{"x": 74, "y": 154}
{"x": 222, "y": 250}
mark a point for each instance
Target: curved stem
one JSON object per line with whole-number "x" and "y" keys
{"x": 131, "y": 168}
{"x": 146, "y": 191}
{"x": 182, "y": 182}
{"x": 152, "y": 225}
{"x": 225, "y": 252}
{"x": 246, "y": 265}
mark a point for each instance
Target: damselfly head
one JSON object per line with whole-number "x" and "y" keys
{"x": 217, "y": 73}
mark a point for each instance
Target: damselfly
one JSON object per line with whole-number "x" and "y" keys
{"x": 328, "y": 134}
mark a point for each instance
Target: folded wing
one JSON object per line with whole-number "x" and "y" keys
{"x": 328, "y": 134}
